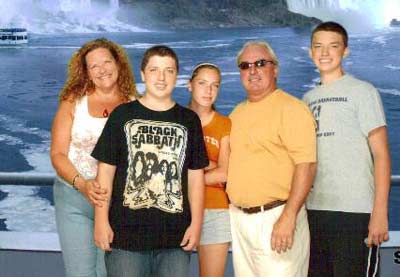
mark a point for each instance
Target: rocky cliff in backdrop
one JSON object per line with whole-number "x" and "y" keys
{"x": 211, "y": 13}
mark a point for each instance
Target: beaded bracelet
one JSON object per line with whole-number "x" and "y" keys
{"x": 73, "y": 181}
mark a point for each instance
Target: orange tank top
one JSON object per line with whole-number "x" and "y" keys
{"x": 219, "y": 127}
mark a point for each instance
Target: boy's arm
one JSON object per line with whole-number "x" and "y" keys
{"x": 378, "y": 224}
{"x": 103, "y": 234}
{"x": 196, "y": 200}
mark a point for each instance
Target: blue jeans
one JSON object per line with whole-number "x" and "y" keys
{"x": 74, "y": 219}
{"x": 152, "y": 263}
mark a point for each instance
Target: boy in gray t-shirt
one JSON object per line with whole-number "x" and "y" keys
{"x": 349, "y": 198}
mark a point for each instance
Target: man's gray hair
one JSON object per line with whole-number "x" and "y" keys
{"x": 261, "y": 43}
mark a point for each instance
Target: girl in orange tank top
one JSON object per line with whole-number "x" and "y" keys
{"x": 215, "y": 238}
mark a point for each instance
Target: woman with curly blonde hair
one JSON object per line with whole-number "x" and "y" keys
{"x": 99, "y": 80}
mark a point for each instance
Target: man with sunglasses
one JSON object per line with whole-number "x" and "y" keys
{"x": 271, "y": 169}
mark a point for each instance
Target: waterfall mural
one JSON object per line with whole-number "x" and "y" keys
{"x": 114, "y": 4}
{"x": 354, "y": 14}
{"x": 86, "y": 4}
{"x": 63, "y": 16}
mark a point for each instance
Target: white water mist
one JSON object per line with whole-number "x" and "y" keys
{"x": 63, "y": 16}
{"x": 355, "y": 14}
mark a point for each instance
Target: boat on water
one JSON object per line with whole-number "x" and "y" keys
{"x": 13, "y": 36}
{"x": 395, "y": 23}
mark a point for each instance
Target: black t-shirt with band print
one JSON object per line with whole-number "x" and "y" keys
{"x": 152, "y": 151}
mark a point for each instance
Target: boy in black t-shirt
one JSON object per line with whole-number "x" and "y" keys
{"x": 151, "y": 158}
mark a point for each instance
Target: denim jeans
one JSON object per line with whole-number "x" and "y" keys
{"x": 152, "y": 263}
{"x": 74, "y": 219}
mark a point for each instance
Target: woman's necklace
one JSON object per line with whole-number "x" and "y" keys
{"x": 105, "y": 113}
{"x": 111, "y": 103}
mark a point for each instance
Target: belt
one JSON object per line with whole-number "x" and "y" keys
{"x": 262, "y": 208}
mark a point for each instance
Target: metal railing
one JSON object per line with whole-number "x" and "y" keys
{"x": 27, "y": 179}
{"x": 47, "y": 179}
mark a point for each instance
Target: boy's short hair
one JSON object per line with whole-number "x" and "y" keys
{"x": 331, "y": 26}
{"x": 159, "y": 50}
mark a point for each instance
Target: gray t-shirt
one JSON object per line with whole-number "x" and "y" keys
{"x": 345, "y": 110}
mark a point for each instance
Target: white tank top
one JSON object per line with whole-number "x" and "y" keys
{"x": 85, "y": 132}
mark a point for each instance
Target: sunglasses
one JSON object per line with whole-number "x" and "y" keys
{"x": 257, "y": 64}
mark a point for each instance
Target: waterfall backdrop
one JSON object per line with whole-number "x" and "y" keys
{"x": 356, "y": 15}
{"x": 32, "y": 75}
{"x": 64, "y": 16}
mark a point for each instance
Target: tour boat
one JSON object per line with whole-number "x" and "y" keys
{"x": 13, "y": 36}
{"x": 395, "y": 23}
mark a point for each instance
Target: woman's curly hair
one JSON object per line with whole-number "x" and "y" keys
{"x": 78, "y": 83}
